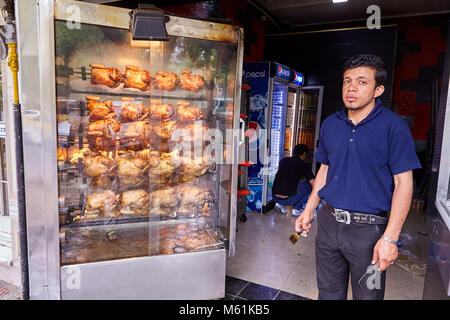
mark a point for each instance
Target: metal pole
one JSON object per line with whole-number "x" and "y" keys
{"x": 13, "y": 64}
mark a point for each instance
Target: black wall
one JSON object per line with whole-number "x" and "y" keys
{"x": 321, "y": 56}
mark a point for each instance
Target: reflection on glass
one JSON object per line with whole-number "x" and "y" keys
{"x": 307, "y": 122}
{"x": 142, "y": 144}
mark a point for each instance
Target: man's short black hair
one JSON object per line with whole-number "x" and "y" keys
{"x": 371, "y": 61}
{"x": 300, "y": 149}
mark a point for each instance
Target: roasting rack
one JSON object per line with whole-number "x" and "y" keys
{"x": 83, "y": 73}
{"x": 126, "y": 219}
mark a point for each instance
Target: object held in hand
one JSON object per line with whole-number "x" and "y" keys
{"x": 294, "y": 237}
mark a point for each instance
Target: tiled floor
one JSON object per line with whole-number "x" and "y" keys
{"x": 9, "y": 292}
{"x": 264, "y": 256}
{"x": 238, "y": 289}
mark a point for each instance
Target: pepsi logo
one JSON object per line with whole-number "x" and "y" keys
{"x": 298, "y": 78}
{"x": 283, "y": 72}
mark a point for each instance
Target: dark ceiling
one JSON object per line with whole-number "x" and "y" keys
{"x": 293, "y": 15}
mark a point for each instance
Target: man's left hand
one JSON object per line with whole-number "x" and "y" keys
{"x": 385, "y": 253}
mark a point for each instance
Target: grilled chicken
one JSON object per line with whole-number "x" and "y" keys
{"x": 110, "y": 77}
{"x": 131, "y": 169}
{"x": 191, "y": 83}
{"x": 188, "y": 113}
{"x": 138, "y": 129}
{"x": 135, "y": 202}
{"x": 96, "y": 165}
{"x": 194, "y": 199}
{"x": 166, "y": 80}
{"x": 138, "y": 79}
{"x": 163, "y": 201}
{"x": 132, "y": 111}
{"x": 104, "y": 182}
{"x": 107, "y": 127}
{"x": 198, "y": 195}
{"x": 159, "y": 111}
{"x": 163, "y": 167}
{"x": 195, "y": 169}
{"x": 102, "y": 203}
{"x": 102, "y": 143}
{"x": 102, "y": 134}
{"x": 135, "y": 135}
{"x": 165, "y": 129}
{"x": 99, "y": 110}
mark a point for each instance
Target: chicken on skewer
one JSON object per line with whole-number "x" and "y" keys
{"x": 96, "y": 164}
{"x": 135, "y": 135}
{"x": 188, "y": 113}
{"x": 160, "y": 111}
{"x": 194, "y": 200}
{"x": 163, "y": 167}
{"x": 110, "y": 77}
{"x": 131, "y": 169}
{"x": 132, "y": 111}
{"x": 165, "y": 129}
{"x": 135, "y": 202}
{"x": 100, "y": 168}
{"x": 190, "y": 172}
{"x": 102, "y": 134}
{"x": 166, "y": 80}
{"x": 163, "y": 201}
{"x": 99, "y": 110}
{"x": 191, "y": 83}
{"x": 138, "y": 79}
{"x": 107, "y": 127}
{"x": 102, "y": 204}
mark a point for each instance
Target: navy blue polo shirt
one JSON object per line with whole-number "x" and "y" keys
{"x": 362, "y": 159}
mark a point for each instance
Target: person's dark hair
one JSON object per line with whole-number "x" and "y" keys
{"x": 300, "y": 149}
{"x": 371, "y": 61}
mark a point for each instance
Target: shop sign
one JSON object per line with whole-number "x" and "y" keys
{"x": 282, "y": 71}
{"x": 298, "y": 78}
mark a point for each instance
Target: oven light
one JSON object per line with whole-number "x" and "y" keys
{"x": 148, "y": 23}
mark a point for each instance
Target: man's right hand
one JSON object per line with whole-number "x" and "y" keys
{"x": 304, "y": 222}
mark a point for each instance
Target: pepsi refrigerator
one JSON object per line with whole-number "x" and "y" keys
{"x": 269, "y": 82}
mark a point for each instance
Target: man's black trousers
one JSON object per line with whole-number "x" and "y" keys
{"x": 344, "y": 250}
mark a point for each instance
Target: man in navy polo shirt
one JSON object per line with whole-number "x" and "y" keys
{"x": 367, "y": 156}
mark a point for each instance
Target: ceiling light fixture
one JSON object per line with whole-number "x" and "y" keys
{"x": 339, "y": 1}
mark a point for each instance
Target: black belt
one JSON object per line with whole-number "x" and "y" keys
{"x": 348, "y": 217}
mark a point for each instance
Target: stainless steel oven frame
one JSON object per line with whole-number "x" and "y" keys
{"x": 154, "y": 277}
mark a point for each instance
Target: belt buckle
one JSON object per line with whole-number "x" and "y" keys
{"x": 342, "y": 216}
